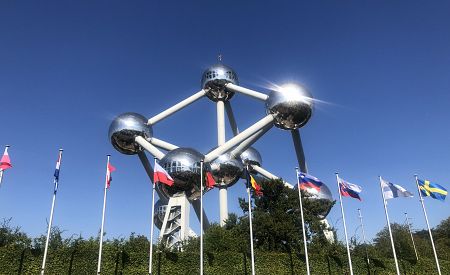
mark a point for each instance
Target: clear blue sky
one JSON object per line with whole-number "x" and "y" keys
{"x": 68, "y": 67}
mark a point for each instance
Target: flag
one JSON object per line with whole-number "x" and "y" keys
{"x": 5, "y": 162}
{"x": 348, "y": 189}
{"x": 210, "y": 182}
{"x": 58, "y": 165}
{"x": 161, "y": 175}
{"x": 109, "y": 170}
{"x": 256, "y": 186}
{"x": 308, "y": 181}
{"x": 391, "y": 190}
{"x": 433, "y": 190}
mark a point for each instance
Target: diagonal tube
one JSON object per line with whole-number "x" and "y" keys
{"x": 267, "y": 120}
{"x": 149, "y": 147}
{"x": 196, "y": 206}
{"x": 231, "y": 118}
{"x": 163, "y": 144}
{"x": 245, "y": 91}
{"x": 175, "y": 108}
{"x": 250, "y": 141}
{"x": 269, "y": 175}
{"x": 146, "y": 163}
{"x": 299, "y": 150}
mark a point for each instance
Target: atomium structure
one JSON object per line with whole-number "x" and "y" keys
{"x": 288, "y": 107}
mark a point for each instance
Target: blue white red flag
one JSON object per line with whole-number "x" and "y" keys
{"x": 58, "y": 165}
{"x": 348, "y": 189}
{"x": 308, "y": 181}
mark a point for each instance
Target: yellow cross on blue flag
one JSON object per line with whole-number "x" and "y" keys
{"x": 433, "y": 190}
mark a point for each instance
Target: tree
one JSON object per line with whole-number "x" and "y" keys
{"x": 276, "y": 217}
{"x": 402, "y": 242}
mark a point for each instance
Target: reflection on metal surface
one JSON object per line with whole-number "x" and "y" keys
{"x": 226, "y": 170}
{"x": 160, "y": 211}
{"x": 183, "y": 165}
{"x": 214, "y": 80}
{"x": 323, "y": 195}
{"x": 251, "y": 156}
{"x": 125, "y": 128}
{"x": 291, "y": 106}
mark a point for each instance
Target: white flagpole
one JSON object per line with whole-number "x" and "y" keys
{"x": 412, "y": 239}
{"x": 201, "y": 217}
{"x": 303, "y": 223}
{"x": 152, "y": 225}
{"x": 389, "y": 228}
{"x": 428, "y": 225}
{"x": 345, "y": 226}
{"x": 364, "y": 234}
{"x": 1, "y": 170}
{"x": 250, "y": 220}
{"x": 99, "y": 263}
{"x": 55, "y": 181}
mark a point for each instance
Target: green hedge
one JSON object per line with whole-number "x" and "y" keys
{"x": 81, "y": 259}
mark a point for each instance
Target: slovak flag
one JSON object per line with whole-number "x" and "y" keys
{"x": 210, "y": 182}
{"x": 348, "y": 189}
{"x": 58, "y": 165}
{"x": 109, "y": 170}
{"x": 161, "y": 175}
{"x": 5, "y": 162}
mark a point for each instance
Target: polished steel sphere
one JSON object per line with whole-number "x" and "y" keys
{"x": 214, "y": 80}
{"x": 291, "y": 105}
{"x": 251, "y": 156}
{"x": 183, "y": 165}
{"x": 226, "y": 170}
{"x": 323, "y": 195}
{"x": 160, "y": 212}
{"x": 125, "y": 128}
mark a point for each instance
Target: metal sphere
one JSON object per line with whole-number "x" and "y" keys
{"x": 251, "y": 156}
{"x": 125, "y": 128}
{"x": 183, "y": 165}
{"x": 160, "y": 212}
{"x": 323, "y": 195}
{"x": 226, "y": 170}
{"x": 291, "y": 106}
{"x": 214, "y": 80}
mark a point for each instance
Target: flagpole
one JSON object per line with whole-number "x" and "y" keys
{"x": 201, "y": 217}
{"x": 389, "y": 228}
{"x": 152, "y": 225}
{"x": 345, "y": 226}
{"x": 412, "y": 239}
{"x": 364, "y": 235}
{"x": 1, "y": 170}
{"x": 250, "y": 221}
{"x": 428, "y": 225}
{"x": 55, "y": 181}
{"x": 99, "y": 263}
{"x": 303, "y": 224}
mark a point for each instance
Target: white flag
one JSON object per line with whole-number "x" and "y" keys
{"x": 391, "y": 190}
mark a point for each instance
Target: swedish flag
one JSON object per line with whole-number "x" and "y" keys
{"x": 433, "y": 190}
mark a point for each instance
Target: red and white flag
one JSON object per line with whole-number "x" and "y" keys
{"x": 161, "y": 175}
{"x": 5, "y": 162}
{"x": 210, "y": 182}
{"x": 109, "y": 170}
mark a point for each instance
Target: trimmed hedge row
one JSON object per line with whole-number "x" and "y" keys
{"x": 133, "y": 259}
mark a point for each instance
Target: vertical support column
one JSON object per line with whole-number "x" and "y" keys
{"x": 223, "y": 196}
{"x": 185, "y": 209}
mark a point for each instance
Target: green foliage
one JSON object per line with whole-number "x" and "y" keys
{"x": 277, "y": 238}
